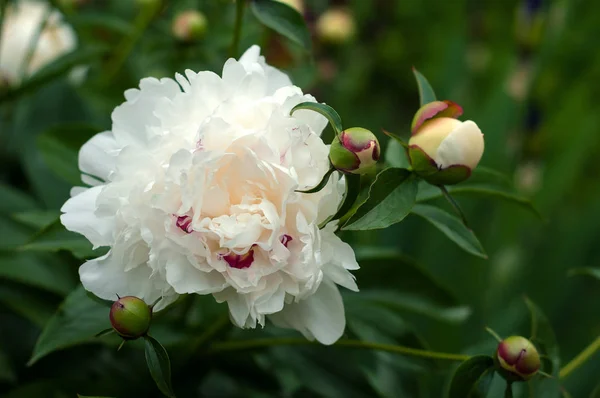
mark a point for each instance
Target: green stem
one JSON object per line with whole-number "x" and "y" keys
{"x": 455, "y": 205}
{"x": 580, "y": 359}
{"x": 237, "y": 29}
{"x": 508, "y": 393}
{"x": 33, "y": 44}
{"x": 124, "y": 48}
{"x": 396, "y": 349}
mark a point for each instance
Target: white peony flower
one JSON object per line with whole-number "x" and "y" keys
{"x": 21, "y": 24}
{"x": 194, "y": 190}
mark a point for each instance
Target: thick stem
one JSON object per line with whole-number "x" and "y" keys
{"x": 396, "y": 349}
{"x": 580, "y": 359}
{"x": 455, "y": 205}
{"x": 237, "y": 29}
{"x": 508, "y": 393}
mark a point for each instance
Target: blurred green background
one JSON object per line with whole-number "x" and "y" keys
{"x": 525, "y": 71}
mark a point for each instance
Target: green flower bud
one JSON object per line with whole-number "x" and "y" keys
{"x": 355, "y": 151}
{"x": 189, "y": 25}
{"x": 130, "y": 317}
{"x": 517, "y": 358}
{"x": 442, "y": 149}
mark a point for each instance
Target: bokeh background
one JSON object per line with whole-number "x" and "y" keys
{"x": 525, "y": 71}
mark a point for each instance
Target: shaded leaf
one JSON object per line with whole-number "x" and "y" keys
{"x": 472, "y": 378}
{"x": 38, "y": 219}
{"x": 159, "y": 365}
{"x": 587, "y": 271}
{"x": 429, "y": 192}
{"x": 391, "y": 197}
{"x": 283, "y": 19}
{"x": 14, "y": 200}
{"x": 350, "y": 197}
{"x": 426, "y": 93}
{"x": 39, "y": 271}
{"x": 452, "y": 227}
{"x": 76, "y": 321}
{"x": 31, "y": 304}
{"x": 55, "y": 238}
{"x": 330, "y": 114}
{"x": 60, "y": 146}
{"x": 7, "y": 372}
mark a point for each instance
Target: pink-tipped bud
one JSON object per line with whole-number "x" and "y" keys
{"x": 355, "y": 151}
{"x": 130, "y": 317}
{"x": 189, "y": 25}
{"x": 518, "y": 358}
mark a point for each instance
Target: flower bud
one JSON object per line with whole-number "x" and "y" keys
{"x": 442, "y": 149}
{"x": 355, "y": 151}
{"x": 189, "y": 25}
{"x": 335, "y": 26}
{"x": 517, "y": 358}
{"x": 130, "y": 317}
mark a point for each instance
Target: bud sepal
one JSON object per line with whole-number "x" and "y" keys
{"x": 356, "y": 151}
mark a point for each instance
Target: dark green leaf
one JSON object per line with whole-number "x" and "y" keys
{"x": 55, "y": 238}
{"x": 28, "y": 303}
{"x": 395, "y": 155}
{"x": 543, "y": 337}
{"x": 334, "y": 119}
{"x": 54, "y": 70}
{"x": 39, "y": 271}
{"x": 472, "y": 378}
{"x": 391, "y": 197}
{"x": 76, "y": 321}
{"x": 426, "y": 93}
{"x": 587, "y": 271}
{"x": 104, "y": 332}
{"x": 414, "y": 289}
{"x": 7, "y": 372}
{"x": 429, "y": 192}
{"x": 88, "y": 396}
{"x": 60, "y": 146}
{"x": 159, "y": 365}
{"x": 452, "y": 227}
{"x": 14, "y": 200}
{"x": 283, "y": 19}
{"x": 352, "y": 192}
{"x": 38, "y": 219}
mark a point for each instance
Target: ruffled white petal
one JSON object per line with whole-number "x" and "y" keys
{"x": 320, "y": 316}
{"x": 463, "y": 146}
{"x": 97, "y": 157}
{"x": 79, "y": 216}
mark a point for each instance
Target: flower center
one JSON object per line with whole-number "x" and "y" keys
{"x": 184, "y": 223}
{"x": 240, "y": 261}
{"x": 285, "y": 239}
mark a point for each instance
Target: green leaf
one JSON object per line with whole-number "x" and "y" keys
{"x": 60, "y": 146}
{"x": 426, "y": 93}
{"x": 28, "y": 303}
{"x": 334, "y": 119}
{"x": 395, "y": 155}
{"x": 543, "y": 337}
{"x": 159, "y": 365}
{"x": 352, "y": 192}
{"x": 38, "y": 219}
{"x": 587, "y": 271}
{"x": 472, "y": 378}
{"x": 7, "y": 372}
{"x": 39, "y": 271}
{"x": 452, "y": 227}
{"x": 14, "y": 200}
{"x": 283, "y": 19}
{"x": 54, "y": 70}
{"x": 391, "y": 197}
{"x": 75, "y": 322}
{"x": 89, "y": 396}
{"x": 429, "y": 192}
{"x": 413, "y": 289}
{"x": 55, "y": 238}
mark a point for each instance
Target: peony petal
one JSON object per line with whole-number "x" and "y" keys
{"x": 463, "y": 146}
{"x": 320, "y": 316}
{"x": 97, "y": 156}
{"x": 106, "y": 278}
{"x": 185, "y": 278}
{"x": 79, "y": 216}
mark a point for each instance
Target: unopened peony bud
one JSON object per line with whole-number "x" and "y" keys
{"x": 189, "y": 25}
{"x": 518, "y": 359}
{"x": 356, "y": 151}
{"x": 335, "y": 26}
{"x": 130, "y": 317}
{"x": 442, "y": 149}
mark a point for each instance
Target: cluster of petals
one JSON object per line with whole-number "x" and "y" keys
{"x": 195, "y": 191}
